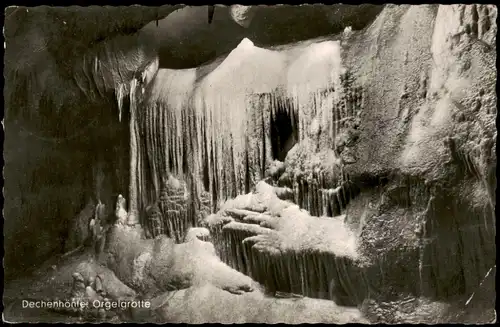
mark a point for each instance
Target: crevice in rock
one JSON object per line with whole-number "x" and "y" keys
{"x": 284, "y": 135}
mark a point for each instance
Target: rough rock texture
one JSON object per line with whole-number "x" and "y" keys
{"x": 212, "y": 305}
{"x": 62, "y": 279}
{"x": 79, "y": 231}
{"x": 196, "y": 304}
{"x": 155, "y": 265}
{"x": 191, "y": 131}
{"x": 175, "y": 211}
{"x": 410, "y": 142}
{"x": 286, "y": 249}
{"x": 386, "y": 138}
{"x": 390, "y": 127}
{"x": 60, "y": 120}
{"x": 64, "y": 67}
{"x": 242, "y": 15}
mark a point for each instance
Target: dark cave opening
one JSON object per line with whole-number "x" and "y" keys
{"x": 284, "y": 132}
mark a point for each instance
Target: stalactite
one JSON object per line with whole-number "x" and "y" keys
{"x": 215, "y": 133}
{"x": 119, "y": 98}
{"x": 133, "y": 212}
{"x": 282, "y": 264}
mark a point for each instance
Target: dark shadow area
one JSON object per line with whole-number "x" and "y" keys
{"x": 277, "y": 25}
{"x": 284, "y": 131}
{"x": 50, "y": 174}
{"x": 196, "y": 41}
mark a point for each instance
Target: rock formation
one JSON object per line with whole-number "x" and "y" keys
{"x": 356, "y": 168}
{"x": 64, "y": 145}
{"x": 369, "y": 142}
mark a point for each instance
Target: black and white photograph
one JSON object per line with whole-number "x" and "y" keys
{"x": 309, "y": 163}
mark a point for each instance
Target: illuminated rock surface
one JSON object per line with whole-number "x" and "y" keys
{"x": 353, "y": 174}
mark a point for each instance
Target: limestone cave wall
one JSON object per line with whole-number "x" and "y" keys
{"x": 388, "y": 128}
{"x": 380, "y": 141}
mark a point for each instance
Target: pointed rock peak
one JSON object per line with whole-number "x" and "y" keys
{"x": 244, "y": 47}
{"x": 245, "y": 44}
{"x": 244, "y": 52}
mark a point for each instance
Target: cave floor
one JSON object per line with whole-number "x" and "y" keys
{"x": 50, "y": 281}
{"x": 53, "y": 280}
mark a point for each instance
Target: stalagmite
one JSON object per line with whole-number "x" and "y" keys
{"x": 120, "y": 211}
